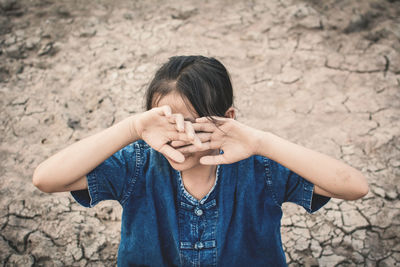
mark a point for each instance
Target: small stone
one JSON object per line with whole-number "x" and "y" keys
{"x": 128, "y": 16}
{"x": 185, "y": 14}
{"x": 47, "y": 49}
{"x": 15, "y": 236}
{"x": 337, "y": 240}
{"x": 74, "y": 123}
{"x": 20, "y": 34}
{"x": 34, "y": 106}
{"x": 307, "y": 17}
{"x": 4, "y": 74}
{"x": 26, "y": 126}
{"x": 74, "y": 251}
{"x": 357, "y": 244}
{"x": 358, "y": 23}
{"x": 114, "y": 75}
{"x": 359, "y": 235}
{"x": 14, "y": 51}
{"x": 88, "y": 30}
{"x": 290, "y": 75}
{"x": 315, "y": 248}
{"x": 382, "y": 220}
{"x": 378, "y": 191}
{"x": 5, "y": 249}
{"x": 392, "y": 231}
{"x": 396, "y": 256}
{"x": 357, "y": 258}
{"x": 353, "y": 219}
{"x": 335, "y": 217}
{"x": 322, "y": 234}
{"x": 348, "y": 150}
{"x": 20, "y": 260}
{"x": 10, "y": 40}
{"x": 8, "y": 5}
{"x": 346, "y": 206}
{"x": 327, "y": 250}
{"x": 388, "y": 262}
{"x": 92, "y": 245}
{"x": 20, "y": 69}
{"x": 332, "y": 260}
{"x": 304, "y": 232}
{"x": 88, "y": 33}
{"x": 302, "y": 243}
{"x": 395, "y": 162}
{"x": 392, "y": 195}
{"x": 41, "y": 245}
{"x": 310, "y": 262}
{"x": 63, "y": 12}
{"x": 286, "y": 221}
{"x": 31, "y": 43}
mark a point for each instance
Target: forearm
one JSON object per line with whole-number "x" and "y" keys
{"x": 78, "y": 159}
{"x": 331, "y": 175}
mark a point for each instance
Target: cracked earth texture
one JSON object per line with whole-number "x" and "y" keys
{"x": 324, "y": 74}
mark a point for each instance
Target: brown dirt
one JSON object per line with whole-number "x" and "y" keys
{"x": 324, "y": 74}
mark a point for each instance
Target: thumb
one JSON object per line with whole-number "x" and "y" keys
{"x": 213, "y": 160}
{"x": 172, "y": 153}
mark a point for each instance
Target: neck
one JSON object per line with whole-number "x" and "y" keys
{"x": 200, "y": 174}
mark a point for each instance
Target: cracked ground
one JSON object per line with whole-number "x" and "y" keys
{"x": 323, "y": 74}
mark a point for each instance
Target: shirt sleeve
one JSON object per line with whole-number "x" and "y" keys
{"x": 111, "y": 180}
{"x": 288, "y": 186}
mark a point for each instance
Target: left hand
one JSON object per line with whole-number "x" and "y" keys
{"x": 236, "y": 140}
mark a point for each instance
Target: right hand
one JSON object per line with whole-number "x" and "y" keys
{"x": 158, "y": 127}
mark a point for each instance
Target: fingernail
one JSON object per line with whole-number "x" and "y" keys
{"x": 181, "y": 159}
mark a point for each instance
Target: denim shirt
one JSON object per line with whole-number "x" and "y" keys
{"x": 236, "y": 224}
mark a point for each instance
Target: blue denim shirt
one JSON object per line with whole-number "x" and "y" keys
{"x": 236, "y": 224}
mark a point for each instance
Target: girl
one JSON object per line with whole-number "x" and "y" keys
{"x": 197, "y": 187}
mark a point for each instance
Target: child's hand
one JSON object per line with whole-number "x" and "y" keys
{"x": 158, "y": 127}
{"x": 237, "y": 140}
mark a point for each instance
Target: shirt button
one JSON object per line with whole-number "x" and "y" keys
{"x": 199, "y": 245}
{"x": 198, "y": 212}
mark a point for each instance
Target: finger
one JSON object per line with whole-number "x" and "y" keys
{"x": 179, "y": 143}
{"x": 191, "y": 149}
{"x": 176, "y": 136}
{"x": 203, "y": 137}
{"x": 212, "y": 145}
{"x": 180, "y": 122}
{"x": 164, "y": 110}
{"x": 191, "y": 134}
{"x": 190, "y": 131}
{"x": 204, "y": 127}
{"x": 197, "y": 142}
{"x": 205, "y": 146}
{"x": 172, "y": 153}
{"x": 211, "y": 119}
{"x": 213, "y": 160}
{"x": 203, "y": 119}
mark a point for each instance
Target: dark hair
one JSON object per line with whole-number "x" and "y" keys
{"x": 203, "y": 81}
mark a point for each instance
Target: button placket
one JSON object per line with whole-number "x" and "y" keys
{"x": 199, "y": 245}
{"x": 198, "y": 211}
{"x": 197, "y": 226}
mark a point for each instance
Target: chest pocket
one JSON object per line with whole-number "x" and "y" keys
{"x": 197, "y": 226}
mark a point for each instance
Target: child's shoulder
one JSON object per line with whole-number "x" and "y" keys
{"x": 145, "y": 152}
{"x": 140, "y": 144}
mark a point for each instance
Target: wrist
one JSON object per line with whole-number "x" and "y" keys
{"x": 135, "y": 127}
{"x": 261, "y": 143}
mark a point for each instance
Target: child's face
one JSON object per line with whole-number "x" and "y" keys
{"x": 177, "y": 104}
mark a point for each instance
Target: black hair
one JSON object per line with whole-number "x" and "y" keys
{"x": 203, "y": 81}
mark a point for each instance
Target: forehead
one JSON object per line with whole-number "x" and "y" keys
{"x": 178, "y": 105}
